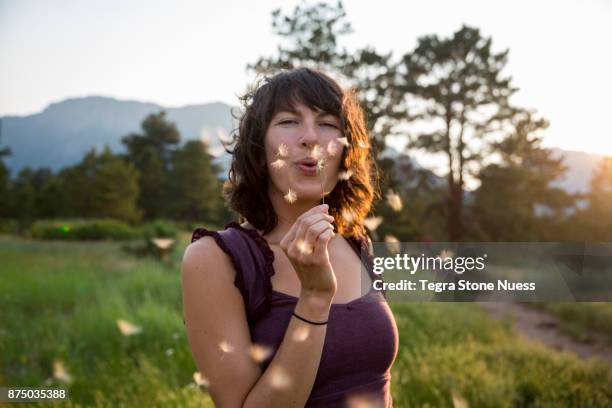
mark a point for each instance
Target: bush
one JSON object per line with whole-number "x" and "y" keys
{"x": 83, "y": 230}
{"x": 8, "y": 226}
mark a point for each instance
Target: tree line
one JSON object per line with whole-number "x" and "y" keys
{"x": 155, "y": 178}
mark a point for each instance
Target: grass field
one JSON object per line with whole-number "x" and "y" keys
{"x": 61, "y": 301}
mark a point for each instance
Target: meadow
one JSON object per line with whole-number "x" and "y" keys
{"x": 61, "y": 301}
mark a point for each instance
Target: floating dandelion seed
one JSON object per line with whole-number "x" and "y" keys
{"x": 393, "y": 244}
{"x": 278, "y": 164}
{"x": 348, "y": 216}
{"x": 316, "y": 152}
{"x": 303, "y": 246}
{"x": 363, "y": 145}
{"x": 394, "y": 200}
{"x": 372, "y": 223}
{"x": 200, "y": 380}
{"x": 259, "y": 353}
{"x": 332, "y": 148}
{"x": 169, "y": 352}
{"x": 345, "y": 175}
{"x": 283, "y": 150}
{"x": 225, "y": 346}
{"x": 363, "y": 401}
{"x": 60, "y": 373}
{"x": 446, "y": 253}
{"x": 279, "y": 378}
{"x": 301, "y": 333}
{"x": 290, "y": 197}
{"x": 459, "y": 401}
{"x": 223, "y": 137}
{"x": 162, "y": 243}
{"x": 128, "y": 329}
{"x": 344, "y": 141}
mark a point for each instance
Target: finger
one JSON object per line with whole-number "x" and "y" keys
{"x": 295, "y": 231}
{"x": 311, "y": 219}
{"x": 321, "y": 244}
{"x": 316, "y": 229}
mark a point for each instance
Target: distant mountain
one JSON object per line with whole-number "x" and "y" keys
{"x": 61, "y": 134}
{"x": 580, "y": 169}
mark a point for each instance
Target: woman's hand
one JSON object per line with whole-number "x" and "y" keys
{"x": 306, "y": 247}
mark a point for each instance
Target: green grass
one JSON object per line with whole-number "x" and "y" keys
{"x": 61, "y": 300}
{"x": 578, "y": 319}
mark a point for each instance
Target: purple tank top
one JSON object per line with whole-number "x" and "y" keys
{"x": 361, "y": 340}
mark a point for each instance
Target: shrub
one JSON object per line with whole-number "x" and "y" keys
{"x": 83, "y": 230}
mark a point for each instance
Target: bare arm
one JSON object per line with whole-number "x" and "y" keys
{"x": 214, "y": 315}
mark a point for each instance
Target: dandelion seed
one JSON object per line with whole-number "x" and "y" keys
{"x": 279, "y": 378}
{"x": 316, "y": 152}
{"x": 205, "y": 137}
{"x": 363, "y": 401}
{"x": 394, "y": 201}
{"x": 301, "y": 334}
{"x": 332, "y": 148}
{"x": 345, "y": 175}
{"x": 200, "y": 380}
{"x": 128, "y": 329}
{"x": 304, "y": 247}
{"x": 363, "y": 144}
{"x": 446, "y": 253}
{"x": 162, "y": 243}
{"x": 225, "y": 346}
{"x": 372, "y": 223}
{"x": 459, "y": 401}
{"x": 259, "y": 353}
{"x": 320, "y": 166}
{"x": 344, "y": 141}
{"x": 278, "y": 164}
{"x": 169, "y": 352}
{"x": 393, "y": 244}
{"x": 283, "y": 150}
{"x": 348, "y": 216}
{"x": 290, "y": 197}
{"x": 60, "y": 373}
{"x": 223, "y": 137}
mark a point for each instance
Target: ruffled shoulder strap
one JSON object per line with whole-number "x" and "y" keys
{"x": 253, "y": 261}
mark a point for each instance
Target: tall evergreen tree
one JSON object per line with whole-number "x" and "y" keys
{"x": 455, "y": 95}
{"x": 151, "y": 152}
{"x": 599, "y": 212}
{"x": 516, "y": 201}
{"x": 115, "y": 188}
{"x": 102, "y": 185}
{"x": 310, "y": 39}
{"x": 195, "y": 188}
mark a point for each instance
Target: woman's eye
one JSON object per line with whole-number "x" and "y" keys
{"x": 287, "y": 122}
{"x": 330, "y": 124}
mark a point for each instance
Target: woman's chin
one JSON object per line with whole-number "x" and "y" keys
{"x": 308, "y": 193}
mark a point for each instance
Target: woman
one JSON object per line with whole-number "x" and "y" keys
{"x": 274, "y": 309}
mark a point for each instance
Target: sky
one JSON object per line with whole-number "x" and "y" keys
{"x": 180, "y": 52}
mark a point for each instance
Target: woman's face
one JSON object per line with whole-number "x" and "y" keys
{"x": 303, "y": 153}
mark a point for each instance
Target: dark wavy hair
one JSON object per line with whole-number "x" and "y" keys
{"x": 246, "y": 189}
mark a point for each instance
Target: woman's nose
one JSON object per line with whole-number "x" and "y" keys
{"x": 309, "y": 134}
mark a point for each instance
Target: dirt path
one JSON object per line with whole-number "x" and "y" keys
{"x": 540, "y": 326}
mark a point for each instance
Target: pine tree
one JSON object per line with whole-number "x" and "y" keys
{"x": 151, "y": 152}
